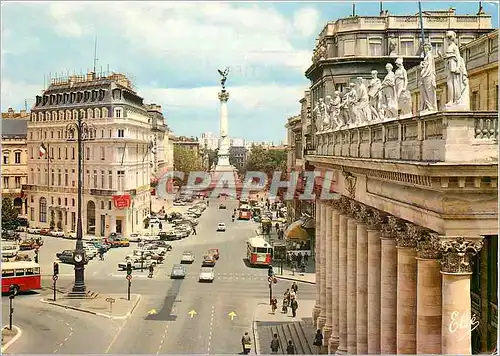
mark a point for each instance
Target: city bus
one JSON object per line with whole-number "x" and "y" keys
{"x": 23, "y": 275}
{"x": 259, "y": 251}
{"x": 245, "y": 212}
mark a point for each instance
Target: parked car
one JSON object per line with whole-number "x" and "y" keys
{"x": 136, "y": 263}
{"x": 179, "y": 203}
{"x": 178, "y": 271}
{"x": 9, "y": 250}
{"x": 33, "y": 230}
{"x": 134, "y": 237}
{"x": 187, "y": 257}
{"x": 71, "y": 235}
{"x": 162, "y": 245}
{"x": 222, "y": 206}
{"x": 30, "y": 244}
{"x": 221, "y": 227}
{"x": 45, "y": 231}
{"x": 206, "y": 274}
{"x": 208, "y": 261}
{"x": 56, "y": 233}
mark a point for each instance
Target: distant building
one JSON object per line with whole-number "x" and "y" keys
{"x": 209, "y": 141}
{"x": 238, "y": 142}
{"x": 15, "y": 157}
{"x": 160, "y": 134}
{"x": 238, "y": 156}
{"x": 191, "y": 143}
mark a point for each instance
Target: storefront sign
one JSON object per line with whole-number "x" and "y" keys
{"x": 122, "y": 201}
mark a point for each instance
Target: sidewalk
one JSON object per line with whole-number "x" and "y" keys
{"x": 10, "y": 336}
{"x": 120, "y": 308}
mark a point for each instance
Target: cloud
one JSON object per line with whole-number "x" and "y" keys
{"x": 219, "y": 32}
{"x": 306, "y": 21}
{"x": 14, "y": 94}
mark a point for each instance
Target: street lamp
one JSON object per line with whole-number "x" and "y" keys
{"x": 84, "y": 132}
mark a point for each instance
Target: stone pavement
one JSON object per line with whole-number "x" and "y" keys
{"x": 299, "y": 329}
{"x": 10, "y": 336}
{"x": 120, "y": 308}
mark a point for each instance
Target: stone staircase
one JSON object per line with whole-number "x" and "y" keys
{"x": 299, "y": 332}
{"x": 88, "y": 295}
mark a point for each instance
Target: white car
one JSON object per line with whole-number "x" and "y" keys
{"x": 146, "y": 236}
{"x": 154, "y": 220}
{"x": 221, "y": 227}
{"x": 134, "y": 238}
{"x": 187, "y": 257}
{"x": 33, "y": 230}
{"x": 179, "y": 203}
{"x": 207, "y": 274}
{"x": 72, "y": 235}
{"x": 9, "y": 251}
{"x": 57, "y": 233}
{"x": 136, "y": 263}
{"x": 90, "y": 250}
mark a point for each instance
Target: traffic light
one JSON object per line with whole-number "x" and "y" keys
{"x": 12, "y": 291}
{"x": 56, "y": 268}
{"x": 270, "y": 271}
{"x": 129, "y": 268}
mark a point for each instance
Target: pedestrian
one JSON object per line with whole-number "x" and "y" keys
{"x": 277, "y": 227}
{"x": 275, "y": 344}
{"x": 295, "y": 306}
{"x": 306, "y": 258}
{"x": 299, "y": 258}
{"x": 246, "y": 343}
{"x": 290, "y": 349}
{"x": 284, "y": 308}
{"x": 318, "y": 340}
{"x": 160, "y": 226}
{"x": 274, "y": 305}
{"x": 151, "y": 270}
{"x": 295, "y": 287}
{"x": 194, "y": 230}
{"x": 302, "y": 268}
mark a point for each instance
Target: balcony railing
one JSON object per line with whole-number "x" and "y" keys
{"x": 437, "y": 137}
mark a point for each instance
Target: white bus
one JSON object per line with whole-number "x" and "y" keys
{"x": 259, "y": 251}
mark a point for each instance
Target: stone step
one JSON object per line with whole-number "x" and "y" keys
{"x": 88, "y": 295}
{"x": 302, "y": 337}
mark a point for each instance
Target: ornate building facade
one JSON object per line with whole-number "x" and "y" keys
{"x": 117, "y": 156}
{"x": 417, "y": 221}
{"x": 14, "y": 157}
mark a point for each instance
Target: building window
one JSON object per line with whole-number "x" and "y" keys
{"x": 65, "y": 152}
{"x": 73, "y": 202}
{"x": 51, "y": 134}
{"x": 109, "y": 205}
{"x": 103, "y": 153}
{"x": 59, "y": 153}
{"x": 59, "y": 177}
{"x": 43, "y": 210}
{"x": 103, "y": 180}
{"x": 32, "y": 152}
{"x": 375, "y": 48}
{"x": 72, "y": 177}
{"x": 5, "y": 182}
{"x": 59, "y": 201}
{"x": 66, "y": 177}
{"x": 437, "y": 48}
{"x": 32, "y": 214}
{"x": 121, "y": 177}
{"x": 94, "y": 180}
{"x": 120, "y": 153}
{"x": 17, "y": 181}
{"x": 88, "y": 177}
{"x": 53, "y": 177}
{"x": 65, "y": 201}
{"x": 118, "y": 112}
{"x": 121, "y": 133}
{"x": 51, "y": 153}
{"x": 110, "y": 179}
{"x": 496, "y": 98}
{"x": 5, "y": 158}
{"x": 474, "y": 100}
{"x": 17, "y": 157}
{"x": 72, "y": 153}
{"x": 407, "y": 48}
{"x": 102, "y": 204}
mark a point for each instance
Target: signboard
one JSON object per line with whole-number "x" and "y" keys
{"x": 122, "y": 201}
{"x": 129, "y": 277}
{"x": 55, "y": 277}
{"x": 279, "y": 252}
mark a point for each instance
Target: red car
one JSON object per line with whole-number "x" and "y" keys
{"x": 214, "y": 252}
{"x": 44, "y": 231}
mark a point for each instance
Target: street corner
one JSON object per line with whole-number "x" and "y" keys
{"x": 111, "y": 306}
{"x": 10, "y": 336}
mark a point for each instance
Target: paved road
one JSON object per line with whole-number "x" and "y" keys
{"x": 237, "y": 288}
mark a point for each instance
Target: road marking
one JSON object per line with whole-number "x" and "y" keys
{"x": 211, "y": 328}
{"x": 162, "y": 339}
{"x": 192, "y": 313}
{"x": 116, "y": 336}
{"x": 59, "y": 345}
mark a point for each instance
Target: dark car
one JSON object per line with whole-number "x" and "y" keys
{"x": 163, "y": 244}
{"x": 67, "y": 257}
{"x": 178, "y": 271}
{"x": 222, "y": 206}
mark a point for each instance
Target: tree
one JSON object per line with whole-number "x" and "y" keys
{"x": 186, "y": 160}
{"x": 268, "y": 161}
{"x": 9, "y": 215}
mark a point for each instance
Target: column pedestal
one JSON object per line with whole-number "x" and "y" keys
{"x": 407, "y": 301}
{"x": 374, "y": 310}
{"x": 333, "y": 342}
{"x": 362, "y": 290}
{"x": 388, "y": 285}
{"x": 322, "y": 271}
{"x": 327, "y": 329}
{"x": 429, "y": 306}
{"x": 351, "y": 287}
{"x": 342, "y": 285}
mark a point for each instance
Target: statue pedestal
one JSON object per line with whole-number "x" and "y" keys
{"x": 456, "y": 107}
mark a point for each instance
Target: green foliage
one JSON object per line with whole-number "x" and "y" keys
{"x": 264, "y": 160}
{"x": 9, "y": 215}
{"x": 186, "y": 160}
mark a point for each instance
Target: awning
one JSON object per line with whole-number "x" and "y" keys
{"x": 295, "y": 231}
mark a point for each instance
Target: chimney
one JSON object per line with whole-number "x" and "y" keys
{"x": 90, "y": 76}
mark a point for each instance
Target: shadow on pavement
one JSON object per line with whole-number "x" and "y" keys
{"x": 165, "y": 314}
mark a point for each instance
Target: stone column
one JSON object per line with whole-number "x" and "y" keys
{"x": 456, "y": 271}
{"x": 374, "y": 303}
{"x": 388, "y": 285}
{"x": 333, "y": 342}
{"x": 428, "y": 296}
{"x": 327, "y": 329}
{"x": 317, "y": 257}
{"x": 407, "y": 288}
{"x": 322, "y": 271}
{"x": 351, "y": 283}
{"x": 361, "y": 282}
{"x": 343, "y": 278}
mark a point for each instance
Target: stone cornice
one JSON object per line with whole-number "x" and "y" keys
{"x": 457, "y": 253}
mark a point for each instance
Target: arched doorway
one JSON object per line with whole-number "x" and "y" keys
{"x": 91, "y": 218}
{"x": 18, "y": 204}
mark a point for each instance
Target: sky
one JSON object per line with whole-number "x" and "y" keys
{"x": 172, "y": 50}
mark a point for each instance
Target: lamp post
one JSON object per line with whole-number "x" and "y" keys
{"x": 84, "y": 131}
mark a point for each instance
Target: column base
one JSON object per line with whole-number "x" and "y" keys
{"x": 320, "y": 323}
{"x": 316, "y": 312}
{"x": 341, "y": 352}
{"x": 333, "y": 345}
{"x": 327, "y": 332}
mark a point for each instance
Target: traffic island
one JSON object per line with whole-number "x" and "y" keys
{"x": 111, "y": 306}
{"x": 10, "y": 336}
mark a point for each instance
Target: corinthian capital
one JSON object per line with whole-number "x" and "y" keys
{"x": 457, "y": 253}
{"x": 408, "y": 237}
{"x": 354, "y": 209}
{"x": 362, "y": 214}
{"x": 426, "y": 246}
{"x": 375, "y": 220}
{"x": 344, "y": 205}
{"x": 393, "y": 228}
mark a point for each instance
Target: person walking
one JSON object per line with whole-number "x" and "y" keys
{"x": 295, "y": 287}
{"x": 274, "y": 305}
{"x": 194, "y": 230}
{"x": 306, "y": 258}
{"x": 295, "y": 306}
{"x": 246, "y": 343}
{"x": 290, "y": 349}
{"x": 318, "y": 340}
{"x": 275, "y": 345}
